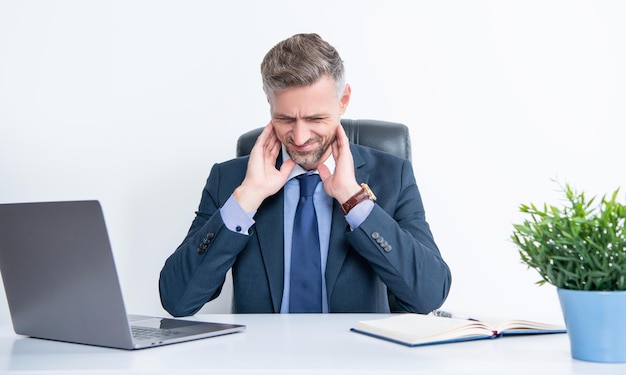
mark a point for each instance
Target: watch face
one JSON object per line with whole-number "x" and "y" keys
{"x": 369, "y": 191}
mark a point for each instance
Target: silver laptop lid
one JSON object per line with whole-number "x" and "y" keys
{"x": 61, "y": 282}
{"x": 59, "y": 273}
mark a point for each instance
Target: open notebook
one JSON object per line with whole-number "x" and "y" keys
{"x": 61, "y": 282}
{"x": 419, "y": 330}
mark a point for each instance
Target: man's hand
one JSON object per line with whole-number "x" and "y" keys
{"x": 262, "y": 178}
{"x": 342, "y": 184}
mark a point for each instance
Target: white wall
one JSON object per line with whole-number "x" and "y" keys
{"x": 131, "y": 102}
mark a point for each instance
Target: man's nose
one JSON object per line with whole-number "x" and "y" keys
{"x": 301, "y": 132}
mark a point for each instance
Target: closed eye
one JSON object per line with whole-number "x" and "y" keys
{"x": 284, "y": 119}
{"x": 315, "y": 118}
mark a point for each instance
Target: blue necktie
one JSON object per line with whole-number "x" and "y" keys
{"x": 306, "y": 271}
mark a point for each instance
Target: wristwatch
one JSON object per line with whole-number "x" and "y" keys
{"x": 363, "y": 194}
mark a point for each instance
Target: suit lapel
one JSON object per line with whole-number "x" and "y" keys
{"x": 269, "y": 229}
{"x": 338, "y": 246}
{"x": 360, "y": 170}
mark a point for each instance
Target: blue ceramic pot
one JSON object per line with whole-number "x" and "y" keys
{"x": 596, "y": 324}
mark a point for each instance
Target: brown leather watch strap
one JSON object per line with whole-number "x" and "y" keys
{"x": 360, "y": 196}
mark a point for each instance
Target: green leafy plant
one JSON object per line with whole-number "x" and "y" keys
{"x": 578, "y": 245}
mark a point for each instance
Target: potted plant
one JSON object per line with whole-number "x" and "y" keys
{"x": 580, "y": 247}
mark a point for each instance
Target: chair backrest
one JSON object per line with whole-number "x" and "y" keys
{"x": 391, "y": 137}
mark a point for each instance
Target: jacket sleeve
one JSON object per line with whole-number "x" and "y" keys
{"x": 397, "y": 242}
{"x": 194, "y": 274}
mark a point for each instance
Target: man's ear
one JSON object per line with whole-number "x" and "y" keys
{"x": 345, "y": 99}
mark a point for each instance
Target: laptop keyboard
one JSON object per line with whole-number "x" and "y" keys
{"x": 143, "y": 333}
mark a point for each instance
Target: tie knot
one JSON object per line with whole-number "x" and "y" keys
{"x": 308, "y": 182}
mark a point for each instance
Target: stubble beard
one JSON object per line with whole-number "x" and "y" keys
{"x": 310, "y": 159}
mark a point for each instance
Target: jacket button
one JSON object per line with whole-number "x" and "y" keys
{"x": 387, "y": 248}
{"x": 375, "y": 235}
{"x": 207, "y": 239}
{"x": 202, "y": 248}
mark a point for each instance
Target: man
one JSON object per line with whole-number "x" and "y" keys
{"x": 367, "y": 246}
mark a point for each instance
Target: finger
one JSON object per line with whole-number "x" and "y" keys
{"x": 273, "y": 144}
{"x": 267, "y": 140}
{"x": 260, "y": 145}
{"x": 265, "y": 133}
{"x": 341, "y": 141}
{"x": 287, "y": 167}
{"x": 324, "y": 172}
{"x": 341, "y": 136}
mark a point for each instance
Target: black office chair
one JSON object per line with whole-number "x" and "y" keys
{"x": 385, "y": 136}
{"x": 391, "y": 137}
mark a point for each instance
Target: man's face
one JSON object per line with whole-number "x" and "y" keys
{"x": 305, "y": 120}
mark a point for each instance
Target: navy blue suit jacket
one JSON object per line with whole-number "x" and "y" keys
{"x": 392, "y": 249}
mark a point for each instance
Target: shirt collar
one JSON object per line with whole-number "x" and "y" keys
{"x": 298, "y": 170}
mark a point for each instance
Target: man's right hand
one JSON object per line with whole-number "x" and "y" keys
{"x": 262, "y": 178}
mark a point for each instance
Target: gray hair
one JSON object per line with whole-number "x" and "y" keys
{"x": 300, "y": 61}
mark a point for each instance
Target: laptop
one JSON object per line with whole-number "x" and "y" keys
{"x": 61, "y": 282}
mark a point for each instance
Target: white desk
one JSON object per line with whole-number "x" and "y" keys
{"x": 310, "y": 344}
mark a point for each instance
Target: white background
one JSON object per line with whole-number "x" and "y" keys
{"x": 131, "y": 102}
